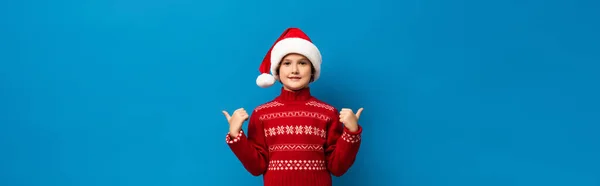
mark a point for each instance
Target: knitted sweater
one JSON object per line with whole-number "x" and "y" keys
{"x": 296, "y": 140}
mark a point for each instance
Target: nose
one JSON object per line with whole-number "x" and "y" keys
{"x": 295, "y": 69}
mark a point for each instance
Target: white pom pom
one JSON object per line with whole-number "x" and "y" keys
{"x": 265, "y": 80}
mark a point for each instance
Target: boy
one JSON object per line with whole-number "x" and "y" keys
{"x": 294, "y": 139}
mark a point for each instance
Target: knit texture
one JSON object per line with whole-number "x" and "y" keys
{"x": 296, "y": 140}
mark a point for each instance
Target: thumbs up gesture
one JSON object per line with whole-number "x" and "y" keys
{"x": 349, "y": 119}
{"x": 236, "y": 120}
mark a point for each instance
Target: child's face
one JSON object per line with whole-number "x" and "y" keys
{"x": 295, "y": 72}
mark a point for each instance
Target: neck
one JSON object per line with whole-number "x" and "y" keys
{"x": 294, "y": 95}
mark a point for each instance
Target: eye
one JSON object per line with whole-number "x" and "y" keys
{"x": 303, "y": 62}
{"x": 286, "y": 63}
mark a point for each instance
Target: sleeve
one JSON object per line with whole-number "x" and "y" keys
{"x": 250, "y": 148}
{"x": 341, "y": 147}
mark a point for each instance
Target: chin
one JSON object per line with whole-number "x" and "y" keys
{"x": 296, "y": 86}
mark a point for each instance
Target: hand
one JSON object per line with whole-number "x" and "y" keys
{"x": 349, "y": 119}
{"x": 236, "y": 120}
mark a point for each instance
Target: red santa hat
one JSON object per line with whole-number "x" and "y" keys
{"x": 293, "y": 40}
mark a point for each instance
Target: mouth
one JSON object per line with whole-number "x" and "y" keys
{"x": 294, "y": 78}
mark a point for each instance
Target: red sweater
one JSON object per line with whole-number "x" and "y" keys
{"x": 296, "y": 140}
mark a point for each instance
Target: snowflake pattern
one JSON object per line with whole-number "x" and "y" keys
{"x": 295, "y": 130}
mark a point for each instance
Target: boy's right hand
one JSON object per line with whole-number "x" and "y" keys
{"x": 236, "y": 120}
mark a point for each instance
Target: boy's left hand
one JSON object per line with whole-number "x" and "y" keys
{"x": 349, "y": 119}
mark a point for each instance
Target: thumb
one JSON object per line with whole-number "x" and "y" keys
{"x": 226, "y": 115}
{"x": 358, "y": 113}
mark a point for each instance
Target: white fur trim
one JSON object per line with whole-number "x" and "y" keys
{"x": 299, "y": 46}
{"x": 265, "y": 80}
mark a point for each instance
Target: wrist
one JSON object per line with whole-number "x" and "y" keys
{"x": 352, "y": 128}
{"x": 234, "y": 132}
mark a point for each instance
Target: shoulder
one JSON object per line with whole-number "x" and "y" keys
{"x": 267, "y": 105}
{"x": 321, "y": 105}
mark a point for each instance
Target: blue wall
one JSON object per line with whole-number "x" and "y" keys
{"x": 465, "y": 93}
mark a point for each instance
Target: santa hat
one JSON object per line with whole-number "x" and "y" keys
{"x": 293, "y": 40}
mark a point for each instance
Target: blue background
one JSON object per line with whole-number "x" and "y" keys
{"x": 463, "y": 92}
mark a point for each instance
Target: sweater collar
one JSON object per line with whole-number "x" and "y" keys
{"x": 298, "y": 95}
